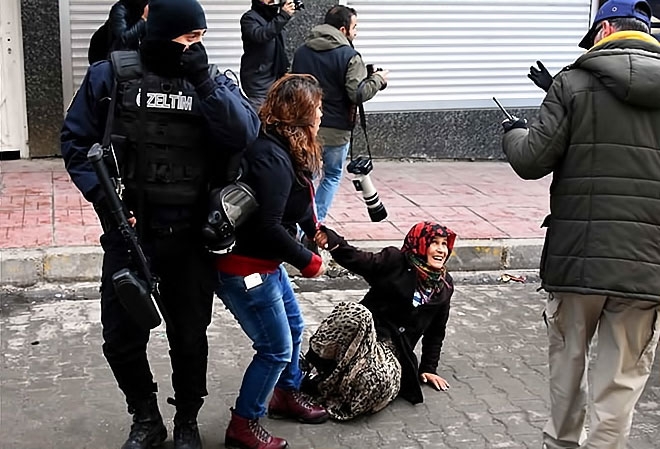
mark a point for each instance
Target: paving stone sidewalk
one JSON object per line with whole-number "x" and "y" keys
{"x": 57, "y": 391}
{"x": 49, "y": 233}
{"x": 40, "y": 206}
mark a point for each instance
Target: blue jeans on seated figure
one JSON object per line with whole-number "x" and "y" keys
{"x": 333, "y": 164}
{"x": 270, "y": 316}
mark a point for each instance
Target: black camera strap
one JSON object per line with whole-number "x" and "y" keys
{"x": 363, "y": 125}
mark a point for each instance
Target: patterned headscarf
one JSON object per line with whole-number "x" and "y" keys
{"x": 415, "y": 246}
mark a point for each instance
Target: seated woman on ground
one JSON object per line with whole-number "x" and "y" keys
{"x": 362, "y": 355}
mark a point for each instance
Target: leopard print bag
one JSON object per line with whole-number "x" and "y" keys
{"x": 364, "y": 374}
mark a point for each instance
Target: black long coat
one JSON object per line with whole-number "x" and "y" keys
{"x": 390, "y": 299}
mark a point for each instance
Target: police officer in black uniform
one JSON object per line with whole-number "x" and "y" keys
{"x": 169, "y": 154}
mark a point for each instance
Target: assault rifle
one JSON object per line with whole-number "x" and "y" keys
{"x": 133, "y": 288}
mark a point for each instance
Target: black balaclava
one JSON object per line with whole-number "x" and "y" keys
{"x": 169, "y": 19}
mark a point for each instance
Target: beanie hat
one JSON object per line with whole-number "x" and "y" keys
{"x": 615, "y": 9}
{"x": 169, "y": 19}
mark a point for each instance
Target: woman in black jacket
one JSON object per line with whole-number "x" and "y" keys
{"x": 254, "y": 285}
{"x": 362, "y": 355}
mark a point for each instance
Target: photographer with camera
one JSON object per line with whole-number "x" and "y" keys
{"x": 328, "y": 54}
{"x": 171, "y": 121}
{"x": 254, "y": 284}
{"x": 264, "y": 57}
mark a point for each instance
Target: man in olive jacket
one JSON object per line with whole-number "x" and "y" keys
{"x": 328, "y": 54}
{"x": 599, "y": 134}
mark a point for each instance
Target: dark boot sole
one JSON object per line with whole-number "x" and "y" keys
{"x": 231, "y": 443}
{"x": 160, "y": 439}
{"x": 320, "y": 420}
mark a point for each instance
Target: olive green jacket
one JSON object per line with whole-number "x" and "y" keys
{"x": 598, "y": 133}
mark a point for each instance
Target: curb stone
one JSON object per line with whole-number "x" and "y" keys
{"x": 29, "y": 267}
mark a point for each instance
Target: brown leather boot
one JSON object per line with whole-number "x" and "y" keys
{"x": 244, "y": 433}
{"x": 296, "y": 405}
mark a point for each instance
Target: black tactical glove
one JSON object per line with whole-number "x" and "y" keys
{"x": 541, "y": 77}
{"x": 508, "y": 125}
{"x": 334, "y": 239}
{"x": 195, "y": 64}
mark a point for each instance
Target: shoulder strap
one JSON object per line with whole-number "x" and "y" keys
{"x": 363, "y": 125}
{"x": 126, "y": 64}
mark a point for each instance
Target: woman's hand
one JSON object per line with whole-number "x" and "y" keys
{"x": 321, "y": 239}
{"x": 145, "y": 12}
{"x": 324, "y": 238}
{"x": 320, "y": 271}
{"x": 435, "y": 381}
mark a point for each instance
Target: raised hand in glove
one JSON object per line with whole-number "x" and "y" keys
{"x": 195, "y": 64}
{"x": 508, "y": 125}
{"x": 541, "y": 77}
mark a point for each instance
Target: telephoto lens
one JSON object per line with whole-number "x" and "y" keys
{"x": 361, "y": 167}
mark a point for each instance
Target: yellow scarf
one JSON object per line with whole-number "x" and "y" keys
{"x": 619, "y": 35}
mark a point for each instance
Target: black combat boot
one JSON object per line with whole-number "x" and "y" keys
{"x": 147, "y": 429}
{"x": 186, "y": 433}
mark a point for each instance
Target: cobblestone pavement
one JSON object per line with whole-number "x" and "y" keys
{"x": 57, "y": 391}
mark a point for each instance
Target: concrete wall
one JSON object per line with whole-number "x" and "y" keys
{"x": 43, "y": 75}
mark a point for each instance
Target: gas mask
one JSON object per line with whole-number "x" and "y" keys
{"x": 229, "y": 207}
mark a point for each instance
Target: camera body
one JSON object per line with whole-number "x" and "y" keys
{"x": 361, "y": 167}
{"x": 371, "y": 70}
{"x": 297, "y": 4}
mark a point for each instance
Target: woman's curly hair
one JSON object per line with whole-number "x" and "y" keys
{"x": 290, "y": 110}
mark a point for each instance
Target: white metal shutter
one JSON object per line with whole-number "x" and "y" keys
{"x": 80, "y": 18}
{"x": 458, "y": 54}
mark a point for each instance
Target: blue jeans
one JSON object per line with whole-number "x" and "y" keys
{"x": 270, "y": 316}
{"x": 333, "y": 164}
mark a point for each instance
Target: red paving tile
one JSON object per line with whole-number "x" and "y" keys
{"x": 41, "y": 207}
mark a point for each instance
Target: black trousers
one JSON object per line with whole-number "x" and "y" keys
{"x": 187, "y": 281}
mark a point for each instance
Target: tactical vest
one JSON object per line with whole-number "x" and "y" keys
{"x": 161, "y": 148}
{"x": 329, "y": 67}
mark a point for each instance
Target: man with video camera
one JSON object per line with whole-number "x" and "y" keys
{"x": 264, "y": 57}
{"x": 328, "y": 54}
{"x": 172, "y": 121}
